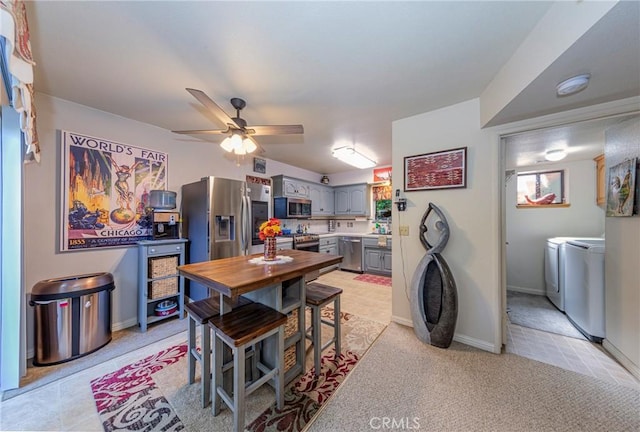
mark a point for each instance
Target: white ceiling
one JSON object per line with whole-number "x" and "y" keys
{"x": 344, "y": 70}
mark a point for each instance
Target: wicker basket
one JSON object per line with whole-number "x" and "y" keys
{"x": 291, "y": 327}
{"x": 289, "y": 357}
{"x": 162, "y": 266}
{"x": 162, "y": 288}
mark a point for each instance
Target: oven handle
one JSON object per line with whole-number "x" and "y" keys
{"x": 307, "y": 244}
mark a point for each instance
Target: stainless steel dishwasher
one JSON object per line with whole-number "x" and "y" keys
{"x": 351, "y": 250}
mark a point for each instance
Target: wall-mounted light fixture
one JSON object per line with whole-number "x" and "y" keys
{"x": 352, "y": 157}
{"x": 573, "y": 85}
{"x": 555, "y": 155}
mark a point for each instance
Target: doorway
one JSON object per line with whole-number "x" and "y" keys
{"x": 527, "y": 311}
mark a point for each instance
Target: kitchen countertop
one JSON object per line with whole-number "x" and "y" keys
{"x": 346, "y": 234}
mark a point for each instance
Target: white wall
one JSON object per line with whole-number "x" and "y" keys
{"x": 189, "y": 160}
{"x": 622, "y": 258}
{"x": 472, "y": 213}
{"x": 528, "y": 228}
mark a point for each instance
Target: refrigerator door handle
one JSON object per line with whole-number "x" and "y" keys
{"x": 245, "y": 221}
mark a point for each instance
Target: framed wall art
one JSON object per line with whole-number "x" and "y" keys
{"x": 438, "y": 170}
{"x": 621, "y": 189}
{"x": 105, "y": 191}
{"x": 259, "y": 165}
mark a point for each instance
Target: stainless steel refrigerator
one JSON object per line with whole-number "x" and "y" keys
{"x": 218, "y": 219}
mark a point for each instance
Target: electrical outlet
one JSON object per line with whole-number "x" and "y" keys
{"x": 404, "y": 230}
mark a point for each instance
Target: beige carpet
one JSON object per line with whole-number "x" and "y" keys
{"x": 410, "y": 385}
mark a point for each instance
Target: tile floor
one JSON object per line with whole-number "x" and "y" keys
{"x": 578, "y": 355}
{"x": 67, "y": 404}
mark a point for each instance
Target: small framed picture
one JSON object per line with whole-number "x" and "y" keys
{"x": 259, "y": 165}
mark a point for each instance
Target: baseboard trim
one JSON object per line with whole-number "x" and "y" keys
{"x": 525, "y": 290}
{"x": 622, "y": 359}
{"x": 467, "y": 340}
{"x": 124, "y": 324}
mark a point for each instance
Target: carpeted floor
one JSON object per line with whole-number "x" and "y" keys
{"x": 153, "y": 394}
{"x": 122, "y": 342}
{"x": 416, "y": 386}
{"x": 536, "y": 311}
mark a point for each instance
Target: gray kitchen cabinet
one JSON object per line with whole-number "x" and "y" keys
{"x": 158, "y": 278}
{"x": 289, "y": 187}
{"x": 329, "y": 245}
{"x": 352, "y": 200}
{"x": 377, "y": 258}
{"x": 322, "y": 198}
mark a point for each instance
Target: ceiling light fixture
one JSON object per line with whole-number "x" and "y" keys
{"x": 555, "y": 155}
{"x": 238, "y": 144}
{"x": 573, "y": 85}
{"x": 352, "y": 157}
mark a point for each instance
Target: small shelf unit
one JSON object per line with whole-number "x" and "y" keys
{"x": 158, "y": 278}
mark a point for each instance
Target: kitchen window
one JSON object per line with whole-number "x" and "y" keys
{"x": 541, "y": 188}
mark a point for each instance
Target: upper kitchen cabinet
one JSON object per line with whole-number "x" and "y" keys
{"x": 289, "y": 187}
{"x": 352, "y": 200}
{"x": 322, "y": 200}
{"x": 600, "y": 181}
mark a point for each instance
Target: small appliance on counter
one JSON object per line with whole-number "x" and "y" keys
{"x": 165, "y": 221}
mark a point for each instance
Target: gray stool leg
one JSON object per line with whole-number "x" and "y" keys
{"x": 279, "y": 378}
{"x": 191, "y": 370}
{"x": 205, "y": 370}
{"x": 238, "y": 388}
{"x": 217, "y": 374}
{"x": 336, "y": 325}
{"x": 316, "y": 316}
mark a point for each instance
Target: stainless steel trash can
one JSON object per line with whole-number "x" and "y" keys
{"x": 72, "y": 316}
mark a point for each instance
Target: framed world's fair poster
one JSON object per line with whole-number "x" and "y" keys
{"x": 105, "y": 191}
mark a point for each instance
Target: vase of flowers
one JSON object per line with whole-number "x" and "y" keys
{"x": 268, "y": 232}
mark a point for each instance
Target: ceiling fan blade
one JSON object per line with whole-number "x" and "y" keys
{"x": 212, "y": 106}
{"x": 204, "y": 132}
{"x": 275, "y": 130}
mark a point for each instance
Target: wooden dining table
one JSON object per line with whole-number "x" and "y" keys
{"x": 279, "y": 285}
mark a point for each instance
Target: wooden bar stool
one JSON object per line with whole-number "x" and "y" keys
{"x": 242, "y": 327}
{"x": 319, "y": 295}
{"x": 200, "y": 312}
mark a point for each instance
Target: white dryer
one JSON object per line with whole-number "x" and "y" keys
{"x": 555, "y": 270}
{"x": 584, "y": 291}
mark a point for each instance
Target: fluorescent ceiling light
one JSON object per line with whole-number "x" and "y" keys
{"x": 352, "y": 157}
{"x": 555, "y": 155}
{"x": 573, "y": 85}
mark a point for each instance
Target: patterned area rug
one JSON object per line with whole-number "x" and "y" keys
{"x": 153, "y": 393}
{"x": 380, "y": 280}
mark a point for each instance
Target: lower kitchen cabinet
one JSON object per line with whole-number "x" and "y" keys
{"x": 329, "y": 245}
{"x": 376, "y": 258}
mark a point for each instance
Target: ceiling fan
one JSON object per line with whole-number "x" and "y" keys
{"x": 240, "y": 136}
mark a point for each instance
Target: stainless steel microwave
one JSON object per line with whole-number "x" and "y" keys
{"x": 291, "y": 208}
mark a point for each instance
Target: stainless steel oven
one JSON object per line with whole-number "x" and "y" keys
{"x": 310, "y": 243}
{"x": 260, "y": 196}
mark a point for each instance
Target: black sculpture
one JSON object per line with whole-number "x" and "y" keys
{"x": 434, "y": 298}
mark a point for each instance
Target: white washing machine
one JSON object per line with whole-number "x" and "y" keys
{"x": 554, "y": 268}
{"x": 584, "y": 289}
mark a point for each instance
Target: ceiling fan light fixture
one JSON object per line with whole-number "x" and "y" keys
{"x": 573, "y": 85}
{"x": 555, "y": 155}
{"x": 350, "y": 156}
{"x": 248, "y": 145}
